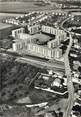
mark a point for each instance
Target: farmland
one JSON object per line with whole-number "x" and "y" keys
{"x": 19, "y": 7}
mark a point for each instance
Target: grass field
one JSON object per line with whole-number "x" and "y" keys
{"x": 20, "y": 6}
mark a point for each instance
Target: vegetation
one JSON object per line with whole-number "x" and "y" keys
{"x": 15, "y": 78}
{"x": 76, "y": 22}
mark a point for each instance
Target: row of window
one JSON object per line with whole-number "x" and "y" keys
{"x": 36, "y": 49}
{"x": 52, "y": 30}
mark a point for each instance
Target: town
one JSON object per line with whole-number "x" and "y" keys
{"x": 40, "y": 63}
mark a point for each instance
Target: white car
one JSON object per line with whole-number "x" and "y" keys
{"x": 73, "y": 55}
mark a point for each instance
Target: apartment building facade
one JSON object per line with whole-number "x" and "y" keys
{"x": 17, "y": 31}
{"x": 54, "y": 43}
{"x": 34, "y": 29}
{"x": 37, "y": 50}
{"x": 50, "y": 30}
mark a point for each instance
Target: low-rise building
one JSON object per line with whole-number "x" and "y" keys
{"x": 48, "y": 115}
{"x": 65, "y": 82}
{"x": 75, "y": 114}
{"x": 75, "y": 80}
{"x": 79, "y": 92}
{"x": 57, "y": 82}
{"x": 75, "y": 41}
{"x": 77, "y": 46}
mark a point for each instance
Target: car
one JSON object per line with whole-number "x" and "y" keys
{"x": 73, "y": 55}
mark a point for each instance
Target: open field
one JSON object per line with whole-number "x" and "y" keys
{"x": 20, "y": 6}
{"x": 3, "y": 26}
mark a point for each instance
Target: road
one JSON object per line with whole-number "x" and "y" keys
{"x": 70, "y": 86}
{"x": 52, "y": 91}
{"x": 38, "y": 62}
{"x": 69, "y": 82}
{"x": 43, "y": 64}
{"x": 73, "y": 33}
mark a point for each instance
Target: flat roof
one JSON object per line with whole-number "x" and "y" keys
{"x": 4, "y": 26}
{"x": 76, "y": 13}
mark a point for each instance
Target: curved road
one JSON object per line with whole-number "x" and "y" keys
{"x": 69, "y": 81}
{"x": 68, "y": 73}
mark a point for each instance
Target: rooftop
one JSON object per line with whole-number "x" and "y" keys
{"x": 76, "y": 13}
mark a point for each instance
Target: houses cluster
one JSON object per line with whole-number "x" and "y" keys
{"x": 25, "y": 19}
{"x": 56, "y": 81}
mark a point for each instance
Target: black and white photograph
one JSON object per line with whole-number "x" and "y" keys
{"x": 40, "y": 58}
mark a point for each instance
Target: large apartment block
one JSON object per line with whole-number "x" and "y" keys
{"x": 17, "y": 31}
{"x": 39, "y": 44}
{"x": 51, "y": 30}
{"x": 53, "y": 43}
{"x": 34, "y": 29}
{"x": 37, "y": 50}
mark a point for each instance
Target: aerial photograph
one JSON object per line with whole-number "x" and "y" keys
{"x": 40, "y": 58}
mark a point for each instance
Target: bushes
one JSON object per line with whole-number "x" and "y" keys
{"x": 15, "y": 78}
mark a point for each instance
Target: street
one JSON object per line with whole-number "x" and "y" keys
{"x": 70, "y": 86}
